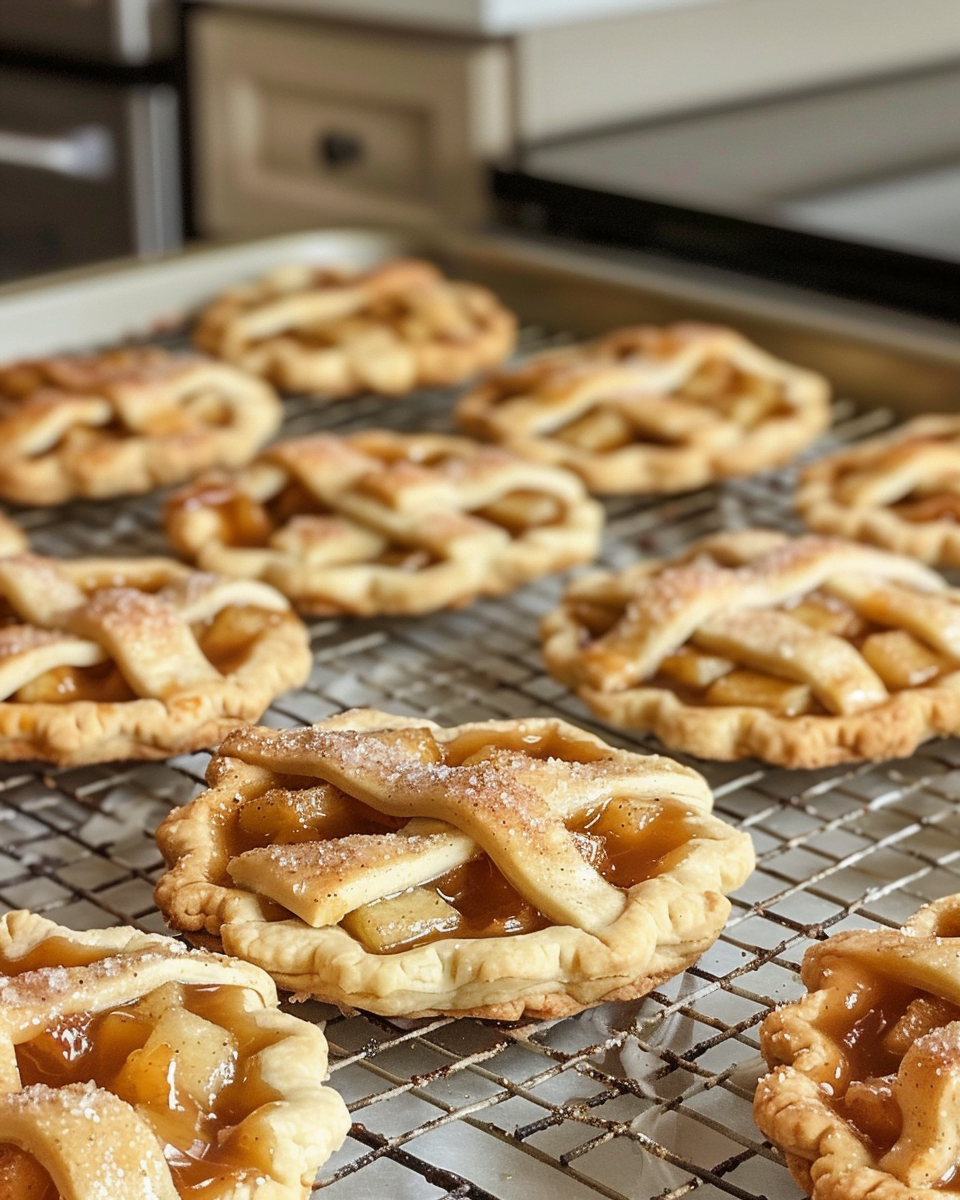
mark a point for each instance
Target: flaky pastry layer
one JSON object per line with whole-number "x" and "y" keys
{"x": 334, "y": 332}
{"x": 876, "y": 1000}
{"x": 900, "y": 491}
{"x": 648, "y": 409}
{"x": 504, "y": 789}
{"x": 737, "y": 605}
{"x": 93, "y": 1143}
{"x": 124, "y": 422}
{"x": 383, "y": 522}
{"x": 104, "y": 659}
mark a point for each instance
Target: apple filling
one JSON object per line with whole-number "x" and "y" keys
{"x": 894, "y": 1073}
{"x": 944, "y": 506}
{"x": 225, "y": 640}
{"x": 310, "y": 849}
{"x": 184, "y": 1057}
{"x": 736, "y": 664}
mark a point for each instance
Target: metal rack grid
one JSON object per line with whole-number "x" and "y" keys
{"x": 628, "y": 1101}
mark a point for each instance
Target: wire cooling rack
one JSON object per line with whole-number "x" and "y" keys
{"x": 629, "y": 1101}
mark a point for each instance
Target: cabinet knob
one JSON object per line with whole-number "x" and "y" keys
{"x": 336, "y": 148}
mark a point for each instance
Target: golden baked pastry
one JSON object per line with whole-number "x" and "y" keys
{"x": 801, "y": 651}
{"x": 900, "y": 491}
{"x": 107, "y": 658}
{"x": 123, "y": 422}
{"x": 382, "y": 522}
{"x": 494, "y": 869}
{"x": 864, "y": 1091}
{"x": 132, "y": 1068}
{"x": 651, "y": 409}
{"x": 12, "y": 538}
{"x": 333, "y": 332}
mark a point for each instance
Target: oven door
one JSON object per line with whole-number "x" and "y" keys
{"x": 88, "y": 170}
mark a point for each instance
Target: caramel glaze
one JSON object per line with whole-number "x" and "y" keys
{"x": 53, "y": 951}
{"x": 945, "y": 507}
{"x": 622, "y": 851}
{"x": 227, "y": 638}
{"x": 475, "y": 745}
{"x": 103, "y": 683}
{"x": 22, "y": 1177}
{"x": 626, "y": 852}
{"x": 246, "y": 522}
{"x": 195, "y": 1139}
{"x": 859, "y": 1015}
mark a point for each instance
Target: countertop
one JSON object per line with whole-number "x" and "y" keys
{"x": 489, "y": 17}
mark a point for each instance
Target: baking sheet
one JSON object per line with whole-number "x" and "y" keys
{"x": 626, "y": 1101}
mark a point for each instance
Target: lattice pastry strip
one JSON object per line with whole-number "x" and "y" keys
{"x": 801, "y": 651}
{"x": 652, "y": 410}
{"x": 900, "y": 491}
{"x": 112, "y": 658}
{"x": 864, "y": 1087}
{"x": 124, "y": 422}
{"x": 331, "y": 332}
{"x": 133, "y": 1068}
{"x": 381, "y": 522}
{"x": 498, "y": 868}
{"x": 12, "y": 538}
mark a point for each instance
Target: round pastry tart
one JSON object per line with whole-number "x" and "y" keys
{"x": 900, "y": 491}
{"x": 864, "y": 1088}
{"x": 123, "y": 422}
{"x": 801, "y": 651}
{"x": 494, "y": 869}
{"x": 332, "y": 332}
{"x": 382, "y": 522}
{"x": 113, "y": 658}
{"x": 650, "y": 409}
{"x": 135, "y": 1069}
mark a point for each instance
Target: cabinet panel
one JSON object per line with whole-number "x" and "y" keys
{"x": 299, "y": 122}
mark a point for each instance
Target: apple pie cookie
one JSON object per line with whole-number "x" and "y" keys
{"x": 332, "y": 333}
{"x": 136, "y": 1069}
{"x": 900, "y": 491}
{"x": 494, "y": 869}
{"x": 113, "y": 658}
{"x": 382, "y": 522}
{"x": 801, "y": 651}
{"x": 123, "y": 422}
{"x": 864, "y": 1091}
{"x": 651, "y": 409}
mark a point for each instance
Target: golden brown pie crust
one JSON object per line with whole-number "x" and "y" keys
{"x": 522, "y": 824}
{"x": 333, "y": 333}
{"x": 117, "y": 1048}
{"x": 12, "y": 538}
{"x": 382, "y": 522}
{"x": 124, "y": 422}
{"x": 803, "y": 652}
{"x": 649, "y": 409}
{"x": 865, "y": 1068}
{"x": 103, "y": 659}
{"x": 900, "y": 491}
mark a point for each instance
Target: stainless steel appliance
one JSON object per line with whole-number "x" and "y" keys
{"x": 854, "y": 190}
{"x": 90, "y": 162}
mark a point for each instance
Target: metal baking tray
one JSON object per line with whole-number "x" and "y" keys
{"x": 626, "y": 1101}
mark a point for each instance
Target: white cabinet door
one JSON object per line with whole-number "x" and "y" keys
{"x": 299, "y": 122}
